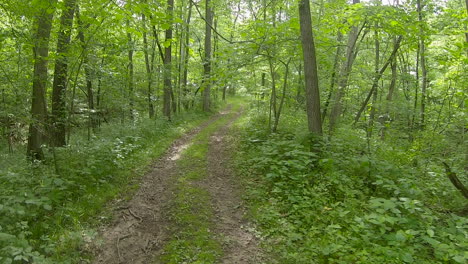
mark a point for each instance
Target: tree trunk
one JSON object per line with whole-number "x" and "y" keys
{"x": 393, "y": 67}
{"x": 273, "y": 94}
{"x": 149, "y": 65}
{"x": 300, "y": 85}
{"x": 185, "y": 90}
{"x": 374, "y": 97}
{"x": 336, "y": 65}
{"x": 283, "y": 96}
{"x": 416, "y": 90}
{"x": 423, "y": 65}
{"x": 168, "y": 65}
{"x": 466, "y": 34}
{"x": 207, "y": 61}
{"x": 100, "y": 115}
{"x": 131, "y": 74}
{"x": 310, "y": 70}
{"x": 376, "y": 80}
{"x": 59, "y": 87}
{"x": 88, "y": 72}
{"x": 214, "y": 54}
{"x": 351, "y": 53}
{"x": 37, "y": 130}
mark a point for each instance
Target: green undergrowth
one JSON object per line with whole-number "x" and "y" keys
{"x": 359, "y": 201}
{"x": 49, "y": 211}
{"x": 193, "y": 240}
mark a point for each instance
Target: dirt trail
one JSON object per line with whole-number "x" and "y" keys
{"x": 142, "y": 226}
{"x": 239, "y": 242}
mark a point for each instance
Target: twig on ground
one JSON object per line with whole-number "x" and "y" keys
{"x": 134, "y": 215}
{"x": 118, "y": 247}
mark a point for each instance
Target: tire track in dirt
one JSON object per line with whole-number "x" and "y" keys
{"x": 237, "y": 236}
{"x": 141, "y": 227}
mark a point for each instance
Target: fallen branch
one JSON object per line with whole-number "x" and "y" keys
{"x": 455, "y": 180}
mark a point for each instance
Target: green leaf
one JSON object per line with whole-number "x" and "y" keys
{"x": 165, "y": 26}
{"x": 408, "y": 258}
{"x": 400, "y": 236}
{"x": 167, "y": 43}
{"x": 460, "y": 259}
{"x": 430, "y": 232}
{"x": 6, "y": 237}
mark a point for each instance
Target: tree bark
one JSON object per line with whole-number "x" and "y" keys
{"x": 351, "y": 53}
{"x": 283, "y": 96}
{"x": 92, "y": 119}
{"x": 273, "y": 94}
{"x": 393, "y": 67}
{"x": 336, "y": 65}
{"x": 185, "y": 90}
{"x": 149, "y": 66}
{"x": 207, "y": 62}
{"x": 374, "y": 97}
{"x": 423, "y": 65}
{"x": 131, "y": 74}
{"x": 59, "y": 86}
{"x": 168, "y": 64}
{"x": 466, "y": 34}
{"x": 37, "y": 129}
{"x": 310, "y": 70}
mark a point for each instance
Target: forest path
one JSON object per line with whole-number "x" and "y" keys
{"x": 239, "y": 242}
{"x": 188, "y": 208}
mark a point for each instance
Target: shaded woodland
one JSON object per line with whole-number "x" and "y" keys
{"x": 352, "y": 141}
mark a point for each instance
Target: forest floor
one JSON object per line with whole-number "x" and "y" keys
{"x": 188, "y": 208}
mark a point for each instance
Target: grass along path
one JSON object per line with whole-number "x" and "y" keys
{"x": 180, "y": 213}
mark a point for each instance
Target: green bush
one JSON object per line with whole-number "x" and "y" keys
{"x": 48, "y": 209}
{"x": 356, "y": 202}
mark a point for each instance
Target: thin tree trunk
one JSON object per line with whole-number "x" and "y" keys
{"x": 180, "y": 62}
{"x": 376, "y": 80}
{"x": 149, "y": 65}
{"x": 37, "y": 128}
{"x": 393, "y": 67}
{"x": 351, "y": 53}
{"x": 416, "y": 89}
{"x": 59, "y": 86}
{"x": 283, "y": 96}
{"x": 423, "y": 66}
{"x": 168, "y": 65}
{"x": 88, "y": 73}
{"x": 310, "y": 70}
{"x": 99, "y": 94}
{"x": 391, "y": 90}
{"x": 131, "y": 74}
{"x": 175, "y": 76}
{"x": 207, "y": 61}
{"x": 336, "y": 65}
{"x": 374, "y": 97}
{"x": 185, "y": 89}
{"x": 466, "y": 33}
{"x": 273, "y": 94}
